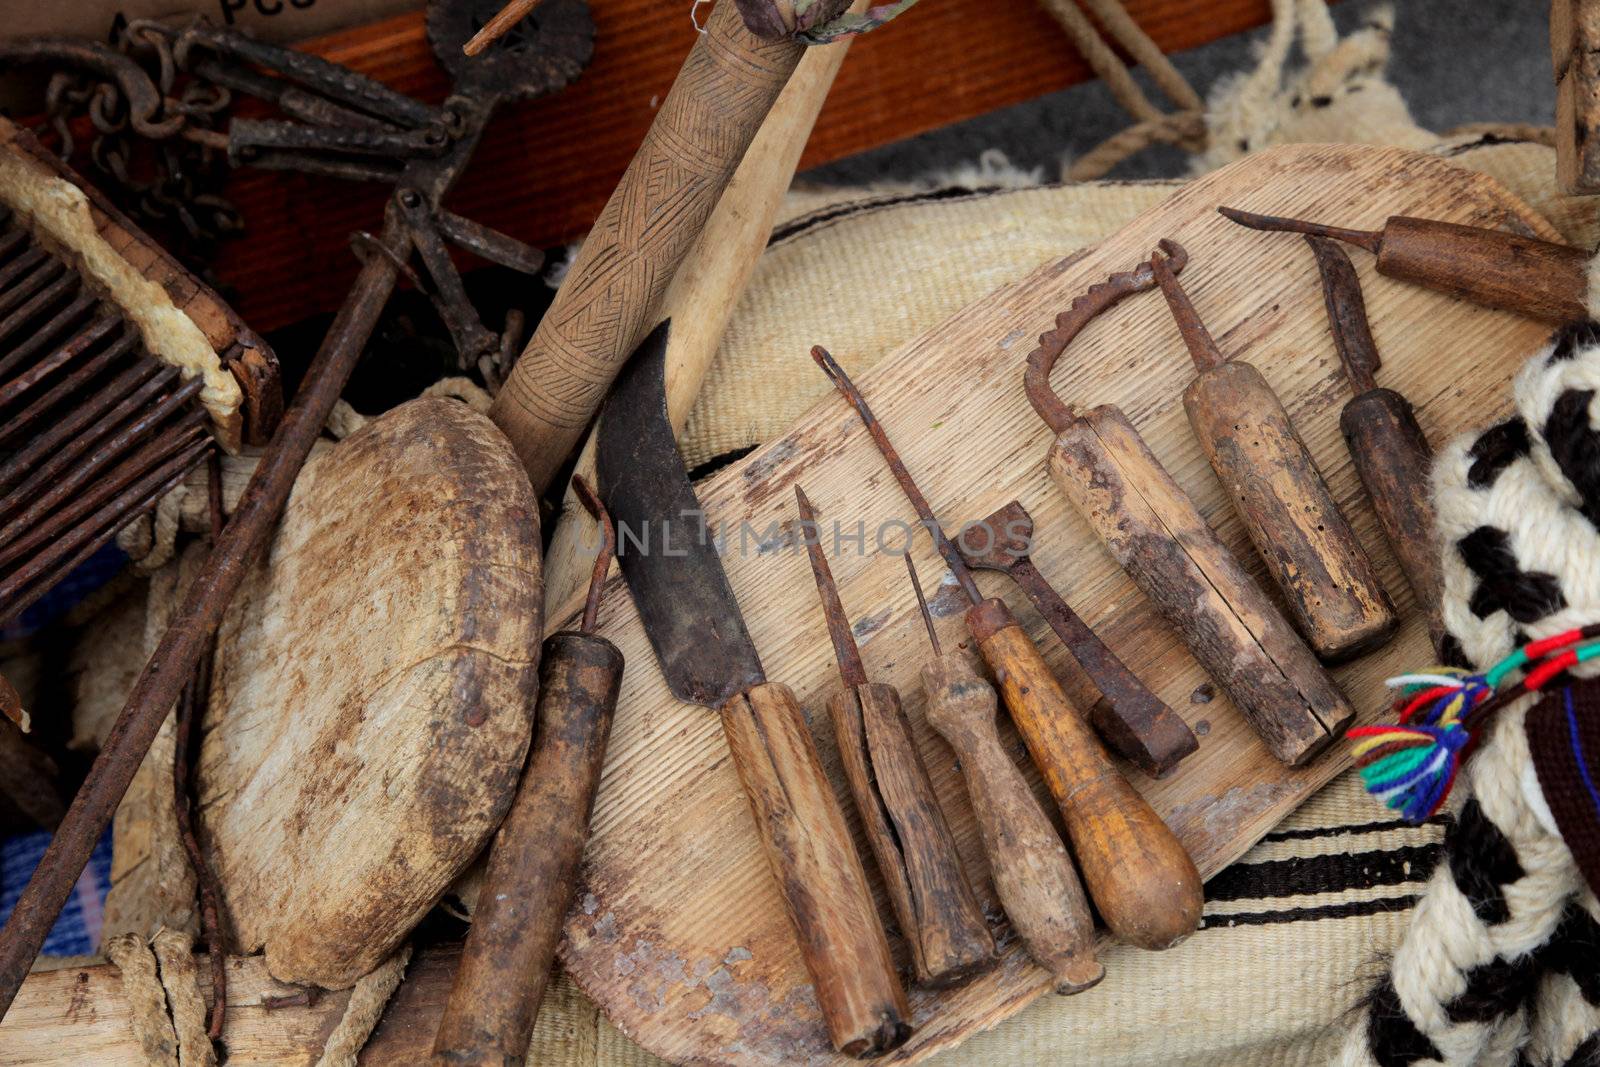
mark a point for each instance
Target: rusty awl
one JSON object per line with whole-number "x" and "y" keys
{"x": 1128, "y": 716}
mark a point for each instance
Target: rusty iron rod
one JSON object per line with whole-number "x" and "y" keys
{"x": 952, "y": 557}
{"x": 852, "y": 672}
{"x": 602, "y": 557}
{"x": 1371, "y": 240}
{"x": 195, "y": 623}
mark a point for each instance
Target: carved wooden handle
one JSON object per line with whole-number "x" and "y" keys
{"x": 1540, "y": 279}
{"x": 1156, "y": 533}
{"x": 1033, "y": 874}
{"x": 723, "y": 92}
{"x": 533, "y": 864}
{"x": 818, "y": 872}
{"x": 1142, "y": 881}
{"x": 940, "y": 918}
{"x": 1299, "y": 532}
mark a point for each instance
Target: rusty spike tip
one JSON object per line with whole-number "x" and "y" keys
{"x": 1202, "y": 349}
{"x": 922, "y": 606}
{"x": 602, "y": 557}
{"x": 851, "y": 670}
{"x": 897, "y": 467}
{"x": 495, "y": 28}
{"x": 1371, "y": 240}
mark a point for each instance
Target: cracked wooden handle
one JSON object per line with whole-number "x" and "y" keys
{"x": 1156, "y": 533}
{"x": 1139, "y": 876}
{"x": 1033, "y": 874}
{"x": 819, "y": 874}
{"x": 533, "y": 864}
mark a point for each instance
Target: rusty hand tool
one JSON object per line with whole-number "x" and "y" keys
{"x": 1298, "y": 529}
{"x": 1130, "y": 718}
{"x": 1492, "y": 268}
{"x": 533, "y": 864}
{"x": 728, "y": 82}
{"x": 1033, "y": 875}
{"x": 1158, "y": 536}
{"x": 707, "y": 658}
{"x": 1387, "y": 445}
{"x": 423, "y": 184}
{"x": 1140, "y": 878}
{"x": 940, "y": 918}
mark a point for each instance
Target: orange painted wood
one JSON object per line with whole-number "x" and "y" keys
{"x": 546, "y": 167}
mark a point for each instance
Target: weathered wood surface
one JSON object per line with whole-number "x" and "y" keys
{"x": 374, "y": 691}
{"x": 817, "y": 871}
{"x": 928, "y": 891}
{"x": 679, "y": 933}
{"x": 1299, "y": 532}
{"x": 729, "y": 81}
{"x": 1542, "y": 279}
{"x": 1032, "y": 872}
{"x": 532, "y": 873}
{"x": 546, "y": 168}
{"x": 1142, "y": 883}
{"x": 1575, "y": 60}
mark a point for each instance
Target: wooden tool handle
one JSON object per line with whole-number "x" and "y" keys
{"x": 717, "y": 103}
{"x": 1131, "y": 719}
{"x": 533, "y": 863}
{"x": 1142, "y": 881}
{"x": 1540, "y": 279}
{"x": 1033, "y": 874}
{"x": 818, "y": 872}
{"x": 940, "y": 918}
{"x": 1160, "y": 539}
{"x": 1395, "y": 461}
{"x": 1298, "y": 530}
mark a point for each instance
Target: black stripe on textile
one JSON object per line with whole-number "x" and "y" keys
{"x": 1311, "y": 832}
{"x": 1305, "y": 875}
{"x": 1527, "y": 596}
{"x": 1575, "y": 446}
{"x": 1496, "y": 449}
{"x": 1586, "y": 1054}
{"x": 1350, "y": 909}
{"x": 1482, "y": 862}
{"x": 1572, "y": 337}
{"x": 1563, "y": 733}
{"x": 843, "y": 211}
{"x": 1392, "y": 1037}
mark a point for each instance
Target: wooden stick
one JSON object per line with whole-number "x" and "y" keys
{"x": 496, "y": 28}
{"x": 708, "y": 286}
{"x": 609, "y": 300}
{"x": 823, "y": 884}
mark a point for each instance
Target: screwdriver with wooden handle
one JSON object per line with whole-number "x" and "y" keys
{"x": 1299, "y": 532}
{"x": 1490, "y": 268}
{"x": 533, "y": 863}
{"x": 1390, "y": 452}
{"x": 1140, "y": 878}
{"x": 939, "y": 917}
{"x": 1033, "y": 874}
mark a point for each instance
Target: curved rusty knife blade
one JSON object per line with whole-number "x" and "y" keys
{"x": 664, "y": 545}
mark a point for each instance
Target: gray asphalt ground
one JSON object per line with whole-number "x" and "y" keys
{"x": 1455, "y": 61}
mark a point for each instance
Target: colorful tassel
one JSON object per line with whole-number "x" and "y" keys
{"x": 1410, "y": 765}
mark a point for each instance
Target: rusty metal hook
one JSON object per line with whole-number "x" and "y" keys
{"x": 1056, "y": 412}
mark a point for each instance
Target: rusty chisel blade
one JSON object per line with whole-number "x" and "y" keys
{"x": 664, "y": 545}
{"x": 1347, "y": 312}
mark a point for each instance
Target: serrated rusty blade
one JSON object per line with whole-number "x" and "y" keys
{"x": 664, "y": 547}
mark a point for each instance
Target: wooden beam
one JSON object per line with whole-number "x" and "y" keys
{"x": 546, "y": 167}
{"x": 1575, "y": 57}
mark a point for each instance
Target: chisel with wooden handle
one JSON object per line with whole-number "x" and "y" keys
{"x": 727, "y": 85}
{"x": 1142, "y": 881}
{"x": 707, "y": 657}
{"x": 905, "y": 827}
{"x": 1390, "y": 452}
{"x": 533, "y": 863}
{"x": 1490, "y": 268}
{"x": 1299, "y": 532}
{"x": 1032, "y": 872}
{"x": 1158, "y": 536}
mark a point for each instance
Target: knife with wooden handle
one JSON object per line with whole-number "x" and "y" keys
{"x": 707, "y": 657}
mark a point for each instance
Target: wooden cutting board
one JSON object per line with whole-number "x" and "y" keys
{"x": 678, "y": 933}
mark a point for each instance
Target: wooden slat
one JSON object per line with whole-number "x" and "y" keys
{"x": 546, "y": 168}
